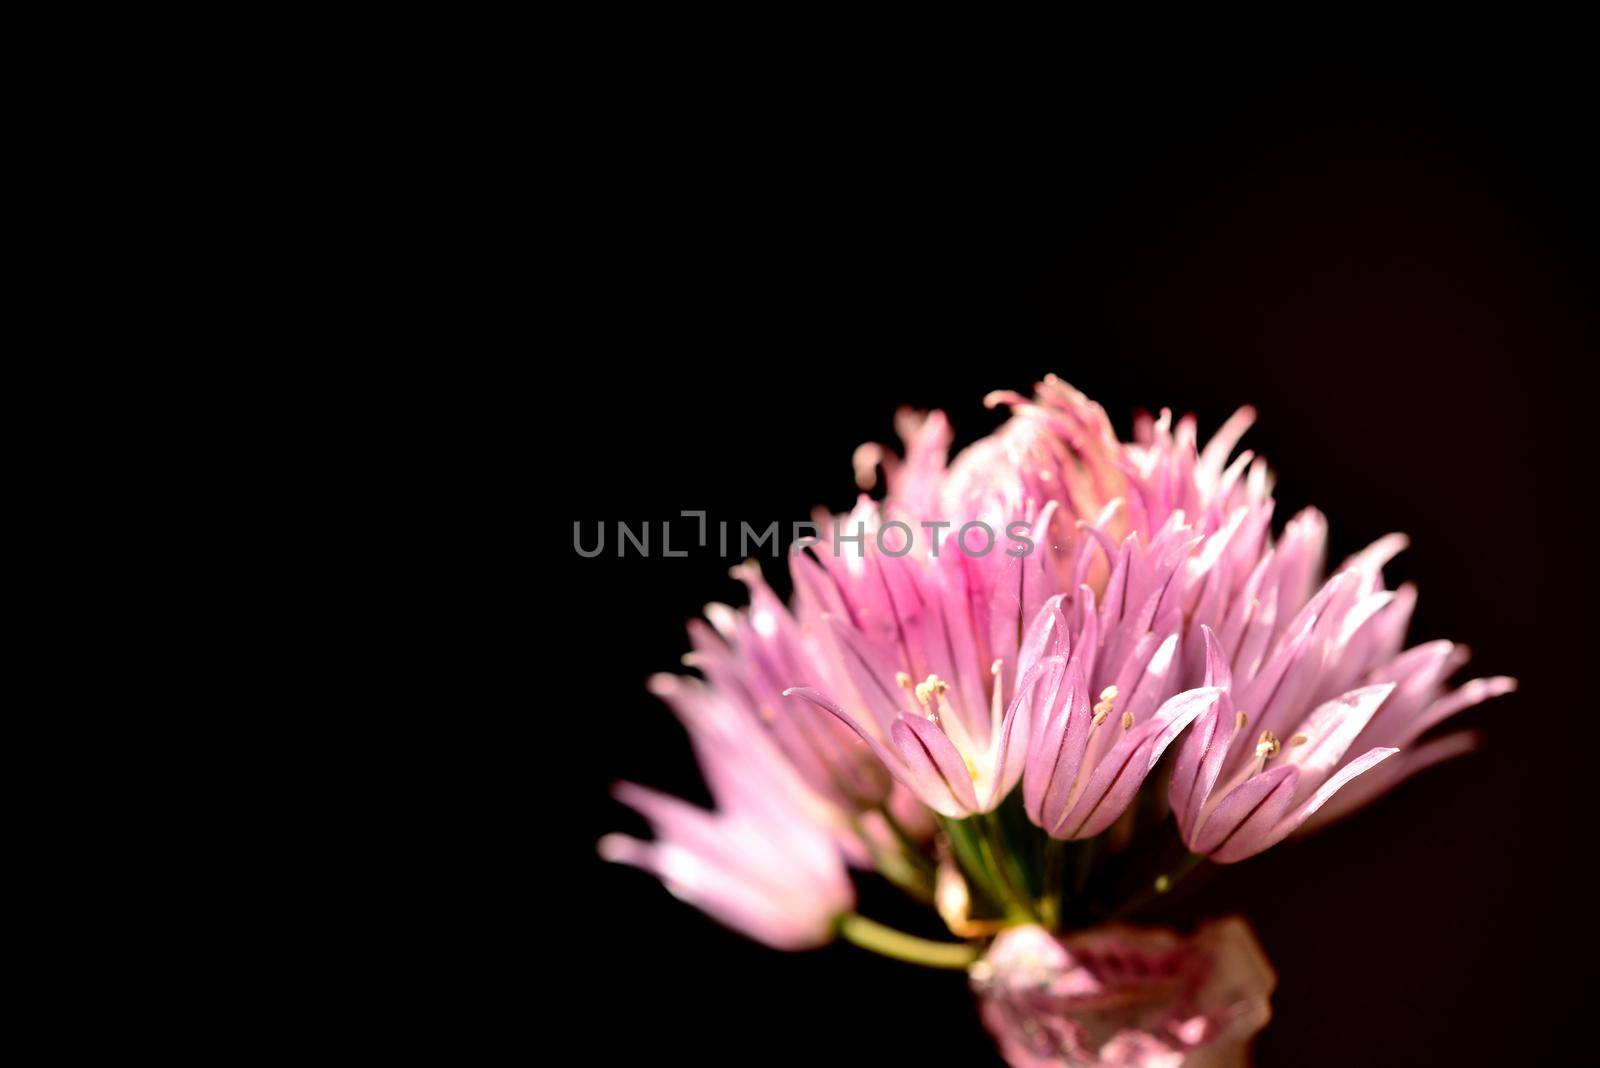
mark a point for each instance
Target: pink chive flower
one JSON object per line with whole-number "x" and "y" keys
{"x": 933, "y": 648}
{"x": 913, "y": 632}
{"x": 1152, "y": 599}
{"x": 765, "y": 863}
{"x": 1140, "y": 590}
{"x": 1127, "y": 692}
{"x": 1057, "y": 448}
{"x": 1300, "y": 693}
{"x": 750, "y": 657}
{"x": 1088, "y": 755}
{"x": 1321, "y": 671}
{"x": 914, "y": 635}
{"x": 1123, "y": 996}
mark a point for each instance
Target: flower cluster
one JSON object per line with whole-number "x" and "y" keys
{"x": 959, "y": 719}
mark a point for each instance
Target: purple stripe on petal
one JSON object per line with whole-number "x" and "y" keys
{"x": 923, "y": 772}
{"x": 1237, "y": 806}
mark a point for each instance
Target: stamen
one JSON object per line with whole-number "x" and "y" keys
{"x": 1103, "y": 707}
{"x": 1298, "y": 739}
{"x": 1127, "y": 721}
{"x": 1267, "y": 745}
{"x": 927, "y": 690}
{"x": 902, "y": 680}
{"x": 994, "y": 668}
{"x": 1239, "y": 721}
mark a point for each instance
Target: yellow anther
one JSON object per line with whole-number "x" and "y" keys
{"x": 1267, "y": 745}
{"x": 1127, "y": 721}
{"x": 1108, "y": 694}
{"x": 1239, "y": 721}
{"x": 994, "y": 668}
{"x": 928, "y": 689}
{"x": 902, "y": 680}
{"x": 1298, "y": 739}
{"x": 1100, "y": 713}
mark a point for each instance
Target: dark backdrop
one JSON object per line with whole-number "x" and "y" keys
{"x": 1397, "y": 276}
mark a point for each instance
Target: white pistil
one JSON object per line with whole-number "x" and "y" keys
{"x": 996, "y": 704}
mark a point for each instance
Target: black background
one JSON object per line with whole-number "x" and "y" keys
{"x": 1397, "y": 275}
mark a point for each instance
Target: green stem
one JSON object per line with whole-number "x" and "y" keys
{"x": 908, "y": 844}
{"x": 869, "y": 934}
{"x": 899, "y": 867}
{"x": 1055, "y": 854}
{"x": 1087, "y": 853}
{"x": 1162, "y": 884}
{"x": 970, "y": 855}
{"x": 991, "y": 841}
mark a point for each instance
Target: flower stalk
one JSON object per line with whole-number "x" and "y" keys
{"x": 1160, "y": 886}
{"x": 888, "y": 942}
{"x": 998, "y": 855}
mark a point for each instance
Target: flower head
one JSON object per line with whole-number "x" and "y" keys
{"x": 1052, "y": 608}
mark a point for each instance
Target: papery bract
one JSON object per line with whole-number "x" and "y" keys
{"x": 1125, "y": 996}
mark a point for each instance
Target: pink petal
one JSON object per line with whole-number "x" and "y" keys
{"x": 1122, "y": 770}
{"x": 937, "y": 770}
{"x": 1056, "y": 752}
{"x": 1332, "y": 727}
{"x": 1242, "y": 802}
{"x": 1243, "y": 845}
